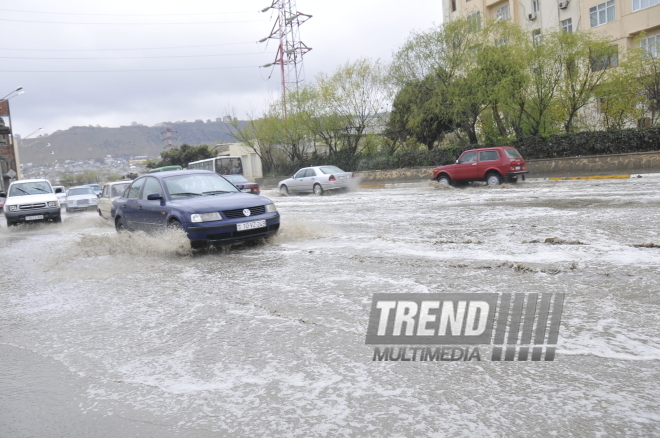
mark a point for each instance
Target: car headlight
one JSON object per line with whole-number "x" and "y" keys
{"x": 13, "y": 208}
{"x": 270, "y": 208}
{"x": 53, "y": 204}
{"x": 205, "y": 217}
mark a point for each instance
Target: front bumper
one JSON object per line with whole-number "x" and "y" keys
{"x": 48, "y": 213}
{"x": 220, "y": 232}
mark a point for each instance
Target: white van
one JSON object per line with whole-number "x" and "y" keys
{"x": 31, "y": 200}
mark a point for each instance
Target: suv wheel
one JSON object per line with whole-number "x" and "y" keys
{"x": 444, "y": 180}
{"x": 493, "y": 180}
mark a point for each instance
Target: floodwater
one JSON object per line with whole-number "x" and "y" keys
{"x": 136, "y": 335}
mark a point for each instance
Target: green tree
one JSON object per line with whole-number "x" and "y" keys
{"x": 181, "y": 156}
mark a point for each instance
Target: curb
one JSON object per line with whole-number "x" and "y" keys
{"x": 576, "y": 178}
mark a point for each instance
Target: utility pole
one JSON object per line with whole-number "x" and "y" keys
{"x": 290, "y": 51}
{"x": 168, "y": 138}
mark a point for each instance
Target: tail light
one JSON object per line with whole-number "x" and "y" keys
{"x": 255, "y": 189}
{"x": 332, "y": 178}
{"x": 352, "y": 176}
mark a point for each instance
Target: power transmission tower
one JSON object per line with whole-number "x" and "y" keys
{"x": 168, "y": 138}
{"x": 290, "y": 51}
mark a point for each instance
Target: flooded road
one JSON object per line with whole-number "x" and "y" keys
{"x": 133, "y": 335}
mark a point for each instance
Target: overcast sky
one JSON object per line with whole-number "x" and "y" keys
{"x": 112, "y": 63}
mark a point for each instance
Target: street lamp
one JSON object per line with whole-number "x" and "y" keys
{"x": 17, "y": 91}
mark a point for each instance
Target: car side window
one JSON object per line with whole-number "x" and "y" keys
{"x": 151, "y": 186}
{"x": 311, "y": 172}
{"x": 488, "y": 156}
{"x": 301, "y": 173}
{"x": 468, "y": 157}
{"x": 134, "y": 191}
{"x": 105, "y": 191}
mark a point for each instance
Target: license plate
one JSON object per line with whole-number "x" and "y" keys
{"x": 518, "y": 167}
{"x": 34, "y": 218}
{"x": 342, "y": 177}
{"x": 250, "y": 225}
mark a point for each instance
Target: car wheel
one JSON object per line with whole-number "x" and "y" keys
{"x": 444, "y": 180}
{"x": 318, "y": 190}
{"x": 58, "y": 220}
{"x": 11, "y": 224}
{"x": 174, "y": 225}
{"x": 284, "y": 190}
{"x": 120, "y": 226}
{"x": 493, "y": 179}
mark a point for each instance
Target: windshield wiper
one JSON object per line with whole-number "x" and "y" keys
{"x": 43, "y": 190}
{"x": 186, "y": 194}
{"x": 18, "y": 188}
{"x": 215, "y": 192}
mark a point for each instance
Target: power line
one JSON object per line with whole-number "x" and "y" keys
{"x": 130, "y": 24}
{"x": 124, "y": 71}
{"x": 126, "y": 15}
{"x": 136, "y": 57}
{"x": 118, "y": 50}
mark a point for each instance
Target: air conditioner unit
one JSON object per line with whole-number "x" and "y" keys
{"x": 563, "y": 4}
{"x": 531, "y": 16}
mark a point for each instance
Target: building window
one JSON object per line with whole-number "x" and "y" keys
{"x": 643, "y": 4}
{"x": 602, "y": 13}
{"x": 651, "y": 45}
{"x": 567, "y": 25}
{"x": 536, "y": 36}
{"x": 503, "y": 13}
{"x": 474, "y": 21}
{"x": 453, "y": 5}
{"x": 601, "y": 61}
{"x": 535, "y": 5}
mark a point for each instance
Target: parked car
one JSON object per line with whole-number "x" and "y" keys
{"x": 60, "y": 192}
{"x": 202, "y": 203}
{"x": 109, "y": 193}
{"x": 493, "y": 165}
{"x": 318, "y": 180}
{"x": 80, "y": 198}
{"x": 96, "y": 187}
{"x": 243, "y": 184}
{"x": 31, "y": 200}
{"x": 2, "y": 201}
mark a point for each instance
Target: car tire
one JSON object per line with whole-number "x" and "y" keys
{"x": 57, "y": 220}
{"x": 493, "y": 179}
{"x": 318, "y": 190}
{"x": 174, "y": 225}
{"x": 198, "y": 244}
{"x": 284, "y": 190}
{"x": 11, "y": 224}
{"x": 120, "y": 226}
{"x": 444, "y": 180}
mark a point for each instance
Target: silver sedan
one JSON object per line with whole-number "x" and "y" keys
{"x": 317, "y": 179}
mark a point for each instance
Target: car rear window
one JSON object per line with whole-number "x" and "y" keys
{"x": 331, "y": 169}
{"x": 512, "y": 153}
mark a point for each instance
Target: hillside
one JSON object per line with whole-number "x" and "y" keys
{"x": 81, "y": 142}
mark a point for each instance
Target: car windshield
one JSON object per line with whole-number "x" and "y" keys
{"x": 81, "y": 191}
{"x": 331, "y": 169}
{"x": 30, "y": 188}
{"x": 197, "y": 184}
{"x": 512, "y": 153}
{"x": 236, "y": 179}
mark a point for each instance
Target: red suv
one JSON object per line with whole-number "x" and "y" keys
{"x": 493, "y": 165}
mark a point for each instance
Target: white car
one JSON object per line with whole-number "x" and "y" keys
{"x": 80, "y": 198}
{"x": 111, "y": 191}
{"x": 60, "y": 192}
{"x": 31, "y": 200}
{"x": 317, "y": 179}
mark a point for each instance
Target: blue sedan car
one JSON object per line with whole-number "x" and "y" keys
{"x": 205, "y": 205}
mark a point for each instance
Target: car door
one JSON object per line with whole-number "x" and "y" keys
{"x": 104, "y": 201}
{"x": 152, "y": 212}
{"x": 466, "y": 168}
{"x": 297, "y": 180}
{"x": 487, "y": 160}
{"x": 309, "y": 180}
{"x": 131, "y": 208}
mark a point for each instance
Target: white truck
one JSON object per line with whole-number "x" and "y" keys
{"x": 31, "y": 200}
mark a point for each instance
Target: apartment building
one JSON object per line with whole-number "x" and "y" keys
{"x": 622, "y": 20}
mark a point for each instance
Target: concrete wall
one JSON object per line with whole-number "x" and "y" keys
{"x": 640, "y": 162}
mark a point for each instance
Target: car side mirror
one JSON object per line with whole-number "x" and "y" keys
{"x": 98, "y": 196}
{"x": 154, "y": 196}
{"x": 3, "y": 195}
{"x": 456, "y": 161}
{"x": 240, "y": 186}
